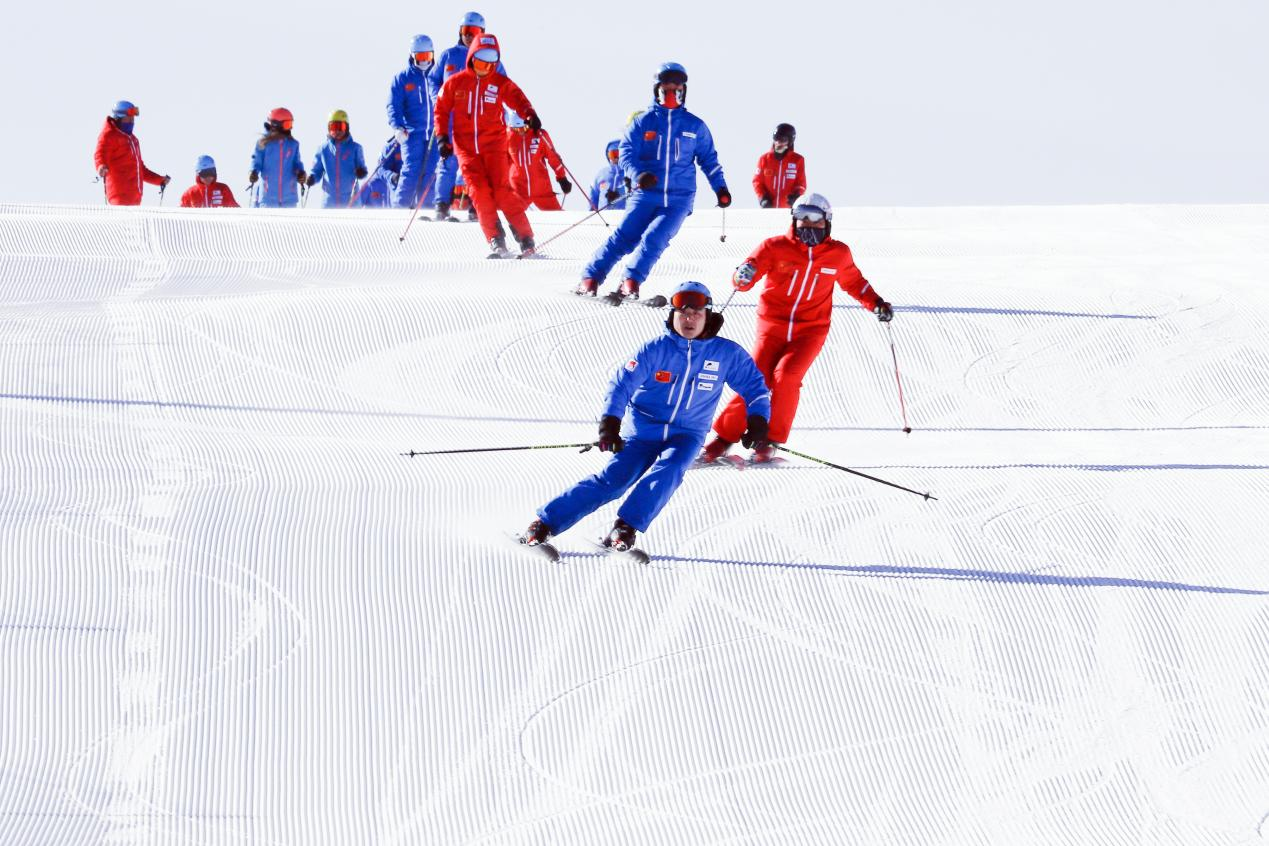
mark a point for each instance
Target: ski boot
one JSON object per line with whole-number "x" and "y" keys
{"x": 527, "y": 248}
{"x": 442, "y": 212}
{"x": 630, "y": 289}
{"x": 536, "y": 534}
{"x": 622, "y": 536}
{"x": 587, "y": 288}
{"x": 498, "y": 245}
{"x": 471, "y": 214}
{"x": 763, "y": 454}
{"x": 714, "y": 450}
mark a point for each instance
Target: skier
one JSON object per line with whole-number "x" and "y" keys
{"x": 339, "y": 163}
{"x": 207, "y": 192}
{"x": 376, "y": 192}
{"x": 277, "y": 162}
{"x": 609, "y": 188}
{"x": 475, "y": 98}
{"x": 118, "y": 158}
{"x": 531, "y": 154}
{"x": 410, "y": 103}
{"x": 781, "y": 175}
{"x": 801, "y": 268}
{"x": 453, "y": 60}
{"x": 672, "y": 385}
{"x": 659, "y": 154}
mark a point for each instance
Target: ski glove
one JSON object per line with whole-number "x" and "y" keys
{"x": 765, "y": 201}
{"x": 361, "y": 173}
{"x": 755, "y": 436}
{"x": 302, "y": 179}
{"x": 442, "y": 142}
{"x": 532, "y": 121}
{"x": 743, "y": 277}
{"x": 402, "y": 134}
{"x": 793, "y": 198}
{"x": 565, "y": 185}
{"x": 610, "y": 196}
{"x": 610, "y": 434}
{"x": 311, "y": 181}
{"x": 102, "y": 171}
{"x": 164, "y": 183}
{"x": 646, "y": 180}
{"x": 884, "y": 312}
{"x": 252, "y": 177}
{"x": 724, "y": 197}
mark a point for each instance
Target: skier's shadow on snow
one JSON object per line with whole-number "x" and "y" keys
{"x": 956, "y": 574}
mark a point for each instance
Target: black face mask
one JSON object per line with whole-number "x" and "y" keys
{"x": 810, "y": 235}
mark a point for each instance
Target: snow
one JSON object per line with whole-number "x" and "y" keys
{"x": 232, "y": 612}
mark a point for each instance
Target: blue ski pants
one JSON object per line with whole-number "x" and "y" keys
{"x": 654, "y": 468}
{"x": 646, "y": 230}
{"x": 414, "y": 169}
{"x": 446, "y": 176}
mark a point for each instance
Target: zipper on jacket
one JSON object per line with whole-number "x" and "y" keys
{"x": 682, "y": 388}
{"x": 669, "y": 133}
{"x": 810, "y": 262}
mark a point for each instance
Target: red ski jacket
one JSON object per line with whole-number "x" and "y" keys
{"x": 778, "y": 178}
{"x": 121, "y": 153}
{"x": 531, "y": 153}
{"x": 214, "y": 196}
{"x": 476, "y": 105}
{"x": 800, "y": 280}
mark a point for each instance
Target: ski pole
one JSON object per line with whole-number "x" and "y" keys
{"x": 584, "y": 448}
{"x": 423, "y": 193}
{"x": 574, "y": 226}
{"x": 903, "y": 410}
{"x": 593, "y": 207}
{"x": 728, "y": 302}
{"x": 927, "y": 495}
{"x": 723, "y": 237}
{"x": 364, "y": 185}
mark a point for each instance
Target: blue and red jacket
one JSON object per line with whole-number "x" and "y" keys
{"x": 277, "y": 160}
{"x": 336, "y": 164}
{"x": 410, "y": 100}
{"x": 673, "y": 385}
{"x": 670, "y": 143}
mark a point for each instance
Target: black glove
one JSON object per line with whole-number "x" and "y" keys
{"x": 884, "y": 312}
{"x": 610, "y": 434}
{"x": 361, "y": 173}
{"x": 756, "y": 435}
{"x": 765, "y": 201}
{"x": 724, "y": 197}
{"x": 646, "y": 180}
{"x": 532, "y": 121}
{"x": 442, "y": 142}
{"x": 301, "y": 178}
{"x": 311, "y": 181}
{"x": 565, "y": 185}
{"x": 611, "y": 195}
{"x": 252, "y": 177}
{"x": 793, "y": 198}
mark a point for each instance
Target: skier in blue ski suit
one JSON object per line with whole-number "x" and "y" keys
{"x": 276, "y": 162}
{"x": 410, "y": 103}
{"x": 339, "y": 163}
{"x": 671, "y": 387}
{"x": 659, "y": 154}
{"x": 609, "y": 188}
{"x": 376, "y": 192}
{"x": 451, "y": 62}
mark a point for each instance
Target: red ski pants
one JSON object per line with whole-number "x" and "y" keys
{"x": 488, "y": 179}
{"x": 546, "y": 201}
{"x": 783, "y": 363}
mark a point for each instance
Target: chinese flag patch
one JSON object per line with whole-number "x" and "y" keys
{"x": 409, "y": 86}
{"x": 650, "y": 135}
{"x": 663, "y": 376}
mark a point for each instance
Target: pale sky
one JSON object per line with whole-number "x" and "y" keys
{"x": 983, "y": 102}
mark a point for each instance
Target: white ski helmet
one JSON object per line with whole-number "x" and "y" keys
{"x": 813, "y": 203}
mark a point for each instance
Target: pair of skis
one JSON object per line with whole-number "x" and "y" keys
{"x": 548, "y": 551}
{"x": 615, "y": 299}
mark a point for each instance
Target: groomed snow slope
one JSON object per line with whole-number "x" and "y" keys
{"x": 232, "y": 613}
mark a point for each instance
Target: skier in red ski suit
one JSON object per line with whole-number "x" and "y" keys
{"x": 207, "y": 192}
{"x": 475, "y": 97}
{"x": 531, "y": 154}
{"x": 801, "y": 267}
{"x": 118, "y": 158}
{"x": 781, "y": 175}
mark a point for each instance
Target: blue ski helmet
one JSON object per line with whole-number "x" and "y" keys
{"x": 123, "y": 109}
{"x": 421, "y": 44}
{"x": 473, "y": 19}
{"x": 691, "y": 295}
{"x": 205, "y": 163}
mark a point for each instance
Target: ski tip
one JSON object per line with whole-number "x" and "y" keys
{"x": 907, "y": 430}
{"x": 656, "y": 302}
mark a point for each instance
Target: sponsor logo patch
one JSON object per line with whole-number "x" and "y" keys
{"x": 704, "y": 386}
{"x": 710, "y": 365}
{"x": 711, "y": 377}
{"x": 828, "y": 271}
{"x": 689, "y": 134}
{"x": 664, "y": 376}
{"x": 409, "y": 86}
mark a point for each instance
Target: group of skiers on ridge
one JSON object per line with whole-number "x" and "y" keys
{"x": 461, "y": 114}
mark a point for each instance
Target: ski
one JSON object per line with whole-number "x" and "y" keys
{"x": 538, "y": 550}
{"x": 501, "y": 254}
{"x": 634, "y": 554}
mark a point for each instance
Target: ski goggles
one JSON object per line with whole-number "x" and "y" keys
{"x": 483, "y": 68}
{"x": 131, "y": 111}
{"x": 810, "y": 214}
{"x": 203, "y": 174}
{"x": 470, "y": 31}
{"x": 283, "y": 124}
{"x": 337, "y": 126}
{"x": 613, "y": 155}
{"x": 694, "y": 300}
{"x": 423, "y": 58}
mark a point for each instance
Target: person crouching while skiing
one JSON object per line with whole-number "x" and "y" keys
{"x": 475, "y": 97}
{"x": 671, "y": 386}
{"x": 801, "y": 267}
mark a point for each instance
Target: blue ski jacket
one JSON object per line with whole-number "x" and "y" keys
{"x": 410, "y": 100}
{"x": 335, "y": 165}
{"x": 673, "y": 385}
{"x": 277, "y": 160}
{"x": 609, "y": 177}
{"x": 670, "y": 143}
